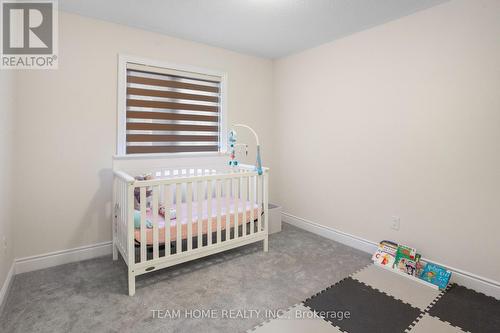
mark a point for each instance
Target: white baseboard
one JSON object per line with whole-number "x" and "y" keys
{"x": 51, "y": 259}
{"x": 6, "y": 287}
{"x": 481, "y": 284}
{"x": 330, "y": 233}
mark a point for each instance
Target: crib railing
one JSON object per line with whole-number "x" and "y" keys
{"x": 121, "y": 187}
{"x": 194, "y": 194}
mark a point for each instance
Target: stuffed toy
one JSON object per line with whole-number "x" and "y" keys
{"x": 149, "y": 202}
{"x": 137, "y": 192}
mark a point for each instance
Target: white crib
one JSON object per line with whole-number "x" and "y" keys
{"x": 216, "y": 208}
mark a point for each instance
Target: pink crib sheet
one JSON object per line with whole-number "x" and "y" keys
{"x": 183, "y": 218}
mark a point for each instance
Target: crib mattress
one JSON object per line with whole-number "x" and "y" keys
{"x": 244, "y": 209}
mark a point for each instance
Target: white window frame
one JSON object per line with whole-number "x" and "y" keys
{"x": 121, "y": 143}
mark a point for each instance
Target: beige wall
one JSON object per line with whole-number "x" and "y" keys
{"x": 66, "y": 126}
{"x": 6, "y": 132}
{"x": 400, "y": 120}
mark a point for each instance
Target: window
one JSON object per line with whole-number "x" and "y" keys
{"x": 169, "y": 109}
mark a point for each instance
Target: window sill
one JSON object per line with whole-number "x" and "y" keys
{"x": 170, "y": 155}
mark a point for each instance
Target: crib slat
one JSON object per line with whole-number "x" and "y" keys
{"x": 120, "y": 212}
{"x": 199, "y": 205}
{"x": 265, "y": 186}
{"x": 235, "y": 182}
{"x": 218, "y": 186}
{"x": 167, "y": 202}
{"x": 244, "y": 197}
{"x": 143, "y": 223}
{"x": 259, "y": 203}
{"x": 117, "y": 210}
{"x": 252, "y": 202}
{"x": 178, "y": 221}
{"x": 189, "y": 202}
{"x": 130, "y": 225}
{"x": 120, "y": 203}
{"x": 156, "y": 247}
{"x": 123, "y": 207}
{"x": 209, "y": 212}
{"x": 228, "y": 209}
{"x": 114, "y": 219}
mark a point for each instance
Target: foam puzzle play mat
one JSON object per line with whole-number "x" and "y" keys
{"x": 386, "y": 297}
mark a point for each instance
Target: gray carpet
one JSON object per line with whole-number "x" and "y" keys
{"x": 92, "y": 295}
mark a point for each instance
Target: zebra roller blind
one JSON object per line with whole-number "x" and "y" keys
{"x": 171, "y": 111}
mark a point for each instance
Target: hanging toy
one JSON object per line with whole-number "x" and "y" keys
{"x": 232, "y": 148}
{"x": 232, "y": 145}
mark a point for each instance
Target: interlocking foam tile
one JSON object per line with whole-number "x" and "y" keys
{"x": 469, "y": 310}
{"x": 400, "y": 287}
{"x": 297, "y": 320}
{"x": 428, "y": 324}
{"x": 370, "y": 310}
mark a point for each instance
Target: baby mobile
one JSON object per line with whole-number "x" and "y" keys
{"x": 232, "y": 148}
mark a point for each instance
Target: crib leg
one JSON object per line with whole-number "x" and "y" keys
{"x": 266, "y": 244}
{"x": 115, "y": 248}
{"x": 131, "y": 283}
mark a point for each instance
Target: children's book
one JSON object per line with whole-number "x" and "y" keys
{"x": 388, "y": 247}
{"x": 383, "y": 259}
{"x": 406, "y": 260}
{"x": 436, "y": 274}
{"x": 386, "y": 254}
{"x": 420, "y": 267}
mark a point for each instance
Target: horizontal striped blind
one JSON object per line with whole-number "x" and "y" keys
{"x": 171, "y": 111}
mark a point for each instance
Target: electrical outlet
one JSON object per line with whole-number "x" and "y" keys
{"x": 396, "y": 222}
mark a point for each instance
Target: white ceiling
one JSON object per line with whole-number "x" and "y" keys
{"x": 267, "y": 28}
